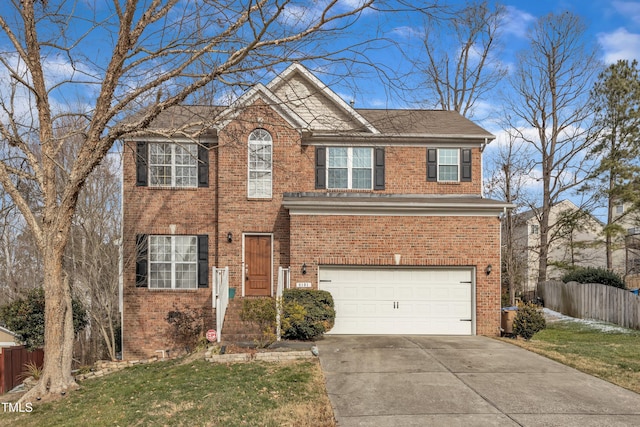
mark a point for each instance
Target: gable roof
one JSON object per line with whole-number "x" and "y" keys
{"x": 320, "y": 114}
{"x": 287, "y": 86}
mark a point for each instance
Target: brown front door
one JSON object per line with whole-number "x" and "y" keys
{"x": 257, "y": 265}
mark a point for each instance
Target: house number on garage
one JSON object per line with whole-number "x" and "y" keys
{"x": 303, "y": 284}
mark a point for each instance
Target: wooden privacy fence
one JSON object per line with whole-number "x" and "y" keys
{"x": 12, "y": 361}
{"x": 592, "y": 301}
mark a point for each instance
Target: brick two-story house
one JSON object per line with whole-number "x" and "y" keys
{"x": 383, "y": 208}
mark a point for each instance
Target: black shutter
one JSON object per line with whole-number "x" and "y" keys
{"x": 321, "y": 167}
{"x": 142, "y": 261}
{"x": 142, "y": 160}
{"x": 378, "y": 173}
{"x": 465, "y": 164}
{"x": 203, "y": 261}
{"x": 432, "y": 164}
{"x": 203, "y": 165}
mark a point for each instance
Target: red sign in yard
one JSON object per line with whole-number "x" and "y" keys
{"x": 212, "y": 335}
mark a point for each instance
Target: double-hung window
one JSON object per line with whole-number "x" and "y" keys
{"x": 173, "y": 165}
{"x": 260, "y": 164}
{"x": 449, "y": 164}
{"x": 350, "y": 167}
{"x": 173, "y": 262}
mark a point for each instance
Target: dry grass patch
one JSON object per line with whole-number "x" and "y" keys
{"x": 195, "y": 393}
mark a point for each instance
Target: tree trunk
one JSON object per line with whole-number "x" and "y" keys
{"x": 608, "y": 237}
{"x": 56, "y": 376}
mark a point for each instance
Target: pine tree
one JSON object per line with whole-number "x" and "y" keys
{"x": 616, "y": 100}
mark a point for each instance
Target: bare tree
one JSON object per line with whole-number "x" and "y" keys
{"x": 510, "y": 167}
{"x": 126, "y": 64}
{"x": 548, "y": 109}
{"x": 459, "y": 72}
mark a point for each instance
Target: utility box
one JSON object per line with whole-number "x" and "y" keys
{"x": 508, "y": 314}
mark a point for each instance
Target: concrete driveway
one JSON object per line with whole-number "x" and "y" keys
{"x": 463, "y": 381}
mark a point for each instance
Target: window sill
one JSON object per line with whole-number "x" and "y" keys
{"x": 449, "y": 182}
{"x": 172, "y": 290}
{"x": 351, "y": 190}
{"x": 174, "y": 188}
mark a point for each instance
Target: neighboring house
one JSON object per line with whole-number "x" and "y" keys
{"x": 575, "y": 236}
{"x": 382, "y": 208}
{"x": 627, "y": 256}
{"x": 7, "y": 338}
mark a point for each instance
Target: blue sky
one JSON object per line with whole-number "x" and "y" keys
{"x": 613, "y": 26}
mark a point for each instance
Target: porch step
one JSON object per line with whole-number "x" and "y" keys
{"x": 235, "y": 330}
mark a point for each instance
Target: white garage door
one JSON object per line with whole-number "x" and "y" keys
{"x": 400, "y": 300}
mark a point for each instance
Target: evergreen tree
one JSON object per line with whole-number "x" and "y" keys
{"x": 616, "y": 100}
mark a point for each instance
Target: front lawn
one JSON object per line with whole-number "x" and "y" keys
{"x": 605, "y": 351}
{"x": 197, "y": 393}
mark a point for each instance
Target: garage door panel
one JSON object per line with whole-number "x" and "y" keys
{"x": 400, "y": 301}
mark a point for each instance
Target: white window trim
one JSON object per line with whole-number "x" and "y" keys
{"x": 350, "y": 169}
{"x": 173, "y": 183}
{"x": 458, "y": 165}
{"x": 249, "y": 170}
{"x": 173, "y": 262}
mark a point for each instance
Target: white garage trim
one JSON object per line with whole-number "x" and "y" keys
{"x": 401, "y": 300}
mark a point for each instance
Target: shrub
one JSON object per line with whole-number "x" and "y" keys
{"x": 261, "y": 312}
{"x": 594, "y": 275}
{"x": 185, "y": 326}
{"x": 528, "y": 321}
{"x": 25, "y": 317}
{"x": 307, "y": 313}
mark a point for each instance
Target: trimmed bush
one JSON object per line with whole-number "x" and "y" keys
{"x": 528, "y": 321}
{"x": 307, "y": 313}
{"x": 594, "y": 275}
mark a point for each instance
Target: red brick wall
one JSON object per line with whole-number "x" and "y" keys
{"x": 152, "y": 211}
{"x": 331, "y": 240}
{"x": 405, "y": 173}
{"x": 421, "y": 241}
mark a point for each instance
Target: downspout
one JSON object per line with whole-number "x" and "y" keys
{"x": 482, "y": 147}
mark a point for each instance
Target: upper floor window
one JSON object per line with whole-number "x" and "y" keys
{"x": 260, "y": 164}
{"x": 535, "y": 229}
{"x": 350, "y": 167}
{"x": 619, "y": 209}
{"x": 173, "y": 165}
{"x": 449, "y": 164}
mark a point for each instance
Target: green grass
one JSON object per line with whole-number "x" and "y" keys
{"x": 191, "y": 394}
{"x": 612, "y": 356}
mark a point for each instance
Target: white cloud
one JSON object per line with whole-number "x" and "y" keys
{"x": 515, "y": 22}
{"x": 620, "y": 44}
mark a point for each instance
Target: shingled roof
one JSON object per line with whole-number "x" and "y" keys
{"x": 388, "y": 122}
{"x": 422, "y": 122}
